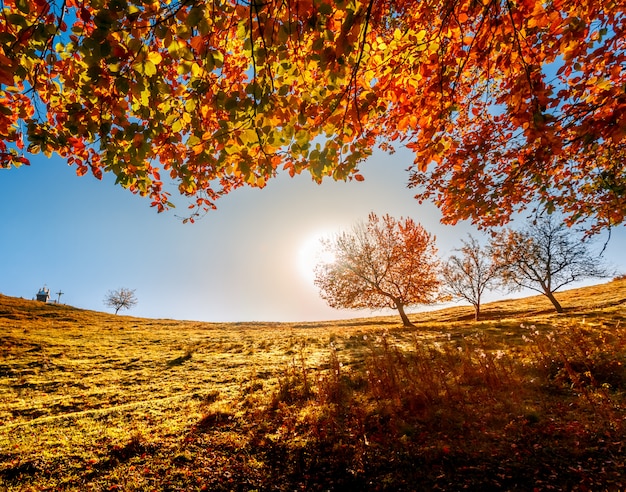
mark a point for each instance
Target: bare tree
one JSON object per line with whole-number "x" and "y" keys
{"x": 383, "y": 263}
{"x": 120, "y": 299}
{"x": 468, "y": 276}
{"x": 544, "y": 256}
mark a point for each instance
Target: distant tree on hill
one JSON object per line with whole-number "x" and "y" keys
{"x": 120, "y": 299}
{"x": 384, "y": 263}
{"x": 468, "y": 276}
{"x": 544, "y": 256}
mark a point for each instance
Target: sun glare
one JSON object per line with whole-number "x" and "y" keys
{"x": 312, "y": 253}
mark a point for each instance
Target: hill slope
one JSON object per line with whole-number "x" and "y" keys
{"x": 526, "y": 399}
{"x": 584, "y": 300}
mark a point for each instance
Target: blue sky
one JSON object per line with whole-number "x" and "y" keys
{"x": 246, "y": 261}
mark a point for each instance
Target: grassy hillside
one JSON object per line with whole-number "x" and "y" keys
{"x": 525, "y": 399}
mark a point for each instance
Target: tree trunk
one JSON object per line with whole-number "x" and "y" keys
{"x": 477, "y": 312}
{"x": 405, "y": 318}
{"x": 554, "y": 302}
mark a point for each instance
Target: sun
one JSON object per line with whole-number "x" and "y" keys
{"x": 311, "y": 253}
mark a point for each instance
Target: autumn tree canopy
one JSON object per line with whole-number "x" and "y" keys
{"x": 544, "y": 256}
{"x": 502, "y": 102}
{"x": 383, "y": 263}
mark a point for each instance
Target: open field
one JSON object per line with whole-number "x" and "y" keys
{"x": 526, "y": 399}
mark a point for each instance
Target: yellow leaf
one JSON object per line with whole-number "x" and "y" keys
{"x": 177, "y": 126}
{"x": 604, "y": 84}
{"x": 145, "y": 98}
{"x": 155, "y": 57}
{"x": 138, "y": 67}
{"x": 197, "y": 70}
{"x": 190, "y": 105}
{"x": 173, "y": 48}
{"x": 249, "y": 136}
{"x": 149, "y": 68}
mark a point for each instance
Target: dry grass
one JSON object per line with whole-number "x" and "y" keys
{"x": 525, "y": 399}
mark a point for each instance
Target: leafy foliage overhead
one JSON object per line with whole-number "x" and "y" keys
{"x": 502, "y": 101}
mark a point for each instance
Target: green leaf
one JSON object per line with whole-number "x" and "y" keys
{"x": 218, "y": 59}
{"x": 16, "y": 19}
{"x": 23, "y": 6}
{"x": 135, "y": 45}
{"x": 161, "y": 31}
{"x": 325, "y": 9}
{"x": 196, "y": 14}
{"x": 203, "y": 27}
{"x": 121, "y": 84}
{"x": 209, "y": 62}
{"x": 193, "y": 140}
{"x": 303, "y": 138}
{"x": 231, "y": 103}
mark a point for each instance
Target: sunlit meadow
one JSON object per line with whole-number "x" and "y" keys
{"x": 526, "y": 399}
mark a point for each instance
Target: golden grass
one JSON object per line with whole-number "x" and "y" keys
{"x": 91, "y": 401}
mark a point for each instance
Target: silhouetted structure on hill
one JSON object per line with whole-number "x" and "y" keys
{"x": 44, "y": 294}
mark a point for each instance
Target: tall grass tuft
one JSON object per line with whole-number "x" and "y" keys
{"x": 466, "y": 401}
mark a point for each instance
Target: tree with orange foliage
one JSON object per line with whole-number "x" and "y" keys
{"x": 384, "y": 263}
{"x": 504, "y": 103}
